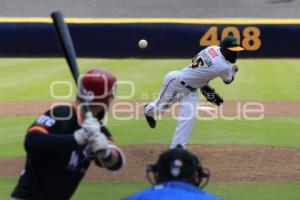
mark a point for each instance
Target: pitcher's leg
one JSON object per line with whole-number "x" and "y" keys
{"x": 165, "y": 98}
{"x": 155, "y": 108}
{"x": 158, "y": 106}
{"x": 164, "y": 101}
{"x": 186, "y": 117}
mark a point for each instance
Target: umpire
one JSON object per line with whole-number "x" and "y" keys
{"x": 177, "y": 175}
{"x": 61, "y": 144}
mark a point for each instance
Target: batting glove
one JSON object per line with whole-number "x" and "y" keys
{"x": 81, "y": 136}
{"x": 90, "y": 126}
{"x": 98, "y": 142}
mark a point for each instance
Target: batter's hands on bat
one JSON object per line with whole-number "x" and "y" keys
{"x": 89, "y": 127}
{"x": 98, "y": 142}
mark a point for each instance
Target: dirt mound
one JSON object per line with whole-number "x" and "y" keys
{"x": 226, "y": 162}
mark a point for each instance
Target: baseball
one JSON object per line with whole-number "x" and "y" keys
{"x": 143, "y": 44}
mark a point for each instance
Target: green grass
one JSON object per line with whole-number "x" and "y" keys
{"x": 269, "y": 131}
{"x": 12, "y": 133}
{"x": 263, "y": 79}
{"x": 30, "y": 79}
{"x": 233, "y": 191}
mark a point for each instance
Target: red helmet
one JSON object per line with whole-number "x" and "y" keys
{"x": 98, "y": 86}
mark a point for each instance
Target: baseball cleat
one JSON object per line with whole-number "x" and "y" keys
{"x": 151, "y": 121}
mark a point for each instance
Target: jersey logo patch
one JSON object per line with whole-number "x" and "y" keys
{"x": 46, "y": 121}
{"x": 213, "y": 53}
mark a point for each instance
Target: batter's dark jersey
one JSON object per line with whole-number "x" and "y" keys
{"x": 55, "y": 163}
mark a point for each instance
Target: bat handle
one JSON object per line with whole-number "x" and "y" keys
{"x": 87, "y": 111}
{"x": 88, "y": 114}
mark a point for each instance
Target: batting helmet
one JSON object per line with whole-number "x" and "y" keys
{"x": 178, "y": 164}
{"x": 97, "y": 85}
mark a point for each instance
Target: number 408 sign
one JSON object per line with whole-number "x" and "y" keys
{"x": 249, "y": 37}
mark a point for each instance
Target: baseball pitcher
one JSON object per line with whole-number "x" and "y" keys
{"x": 181, "y": 86}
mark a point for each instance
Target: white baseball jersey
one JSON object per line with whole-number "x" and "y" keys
{"x": 208, "y": 64}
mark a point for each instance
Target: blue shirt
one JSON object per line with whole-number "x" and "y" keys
{"x": 173, "y": 190}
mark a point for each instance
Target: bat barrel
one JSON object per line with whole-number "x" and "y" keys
{"x": 65, "y": 40}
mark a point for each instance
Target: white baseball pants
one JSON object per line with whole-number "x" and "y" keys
{"x": 173, "y": 91}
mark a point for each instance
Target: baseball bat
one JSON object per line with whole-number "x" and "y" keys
{"x": 66, "y": 43}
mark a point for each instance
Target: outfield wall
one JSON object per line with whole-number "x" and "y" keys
{"x": 168, "y": 38}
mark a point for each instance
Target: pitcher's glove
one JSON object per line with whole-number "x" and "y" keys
{"x": 211, "y": 95}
